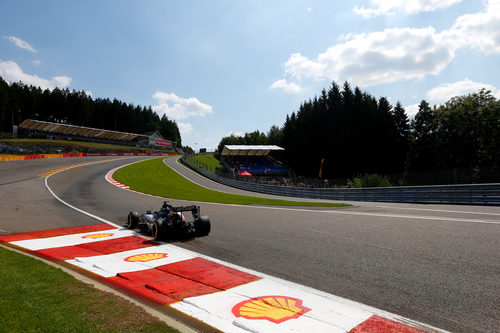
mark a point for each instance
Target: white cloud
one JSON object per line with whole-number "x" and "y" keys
{"x": 399, "y": 54}
{"x": 418, "y": 6}
{"x": 411, "y": 110}
{"x": 391, "y": 7}
{"x": 185, "y": 128}
{"x": 379, "y": 7}
{"x": 36, "y": 62}
{"x": 298, "y": 66}
{"x": 61, "y": 81}
{"x": 11, "y": 72}
{"x": 378, "y": 57}
{"x": 233, "y": 133}
{"x": 448, "y": 90}
{"x": 20, "y": 43}
{"x": 179, "y": 108}
{"x": 286, "y": 86}
{"x": 480, "y": 30}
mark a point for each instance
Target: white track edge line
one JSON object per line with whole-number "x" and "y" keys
{"x": 339, "y": 212}
{"x": 250, "y": 271}
{"x": 78, "y": 209}
{"x": 440, "y": 210}
{"x": 347, "y": 212}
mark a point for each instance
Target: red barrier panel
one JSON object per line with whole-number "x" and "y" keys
{"x": 33, "y": 157}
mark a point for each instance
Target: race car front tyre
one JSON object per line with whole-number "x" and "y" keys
{"x": 202, "y": 226}
{"x": 132, "y": 220}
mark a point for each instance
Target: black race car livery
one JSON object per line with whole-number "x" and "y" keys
{"x": 170, "y": 222}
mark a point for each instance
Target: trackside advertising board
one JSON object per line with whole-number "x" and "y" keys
{"x": 163, "y": 143}
{"x": 33, "y": 157}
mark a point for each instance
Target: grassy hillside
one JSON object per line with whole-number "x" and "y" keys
{"x": 210, "y": 161}
{"x": 44, "y": 146}
{"x": 154, "y": 177}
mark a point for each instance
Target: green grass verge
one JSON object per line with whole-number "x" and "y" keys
{"x": 36, "y": 297}
{"x": 209, "y": 160}
{"x": 154, "y": 177}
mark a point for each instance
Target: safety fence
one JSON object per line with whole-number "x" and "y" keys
{"x": 476, "y": 194}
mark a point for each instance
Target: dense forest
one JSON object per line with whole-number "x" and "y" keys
{"x": 19, "y": 102}
{"x": 346, "y": 131}
{"x": 352, "y": 133}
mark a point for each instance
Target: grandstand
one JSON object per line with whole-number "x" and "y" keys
{"x": 47, "y": 130}
{"x": 253, "y": 160}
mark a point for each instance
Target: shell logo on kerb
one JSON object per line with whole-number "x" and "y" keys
{"x": 146, "y": 257}
{"x": 276, "y": 309}
{"x": 94, "y": 236}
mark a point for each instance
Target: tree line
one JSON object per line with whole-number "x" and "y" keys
{"x": 19, "y": 102}
{"x": 346, "y": 132}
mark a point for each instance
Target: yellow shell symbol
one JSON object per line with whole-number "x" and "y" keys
{"x": 93, "y": 236}
{"x": 145, "y": 257}
{"x": 276, "y": 309}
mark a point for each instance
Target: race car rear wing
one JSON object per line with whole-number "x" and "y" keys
{"x": 195, "y": 210}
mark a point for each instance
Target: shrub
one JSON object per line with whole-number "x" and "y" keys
{"x": 369, "y": 180}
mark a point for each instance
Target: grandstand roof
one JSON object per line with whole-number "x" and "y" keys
{"x": 259, "y": 150}
{"x": 43, "y": 126}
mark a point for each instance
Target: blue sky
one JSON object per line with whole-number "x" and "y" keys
{"x": 222, "y": 67}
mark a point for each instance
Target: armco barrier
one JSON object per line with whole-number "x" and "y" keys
{"x": 478, "y": 194}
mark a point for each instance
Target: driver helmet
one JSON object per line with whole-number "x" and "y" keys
{"x": 165, "y": 207}
{"x": 180, "y": 217}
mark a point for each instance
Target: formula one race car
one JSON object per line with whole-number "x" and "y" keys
{"x": 169, "y": 222}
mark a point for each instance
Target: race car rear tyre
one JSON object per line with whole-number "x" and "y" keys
{"x": 202, "y": 226}
{"x": 157, "y": 232}
{"x": 132, "y": 220}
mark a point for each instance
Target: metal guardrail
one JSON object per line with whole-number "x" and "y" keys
{"x": 476, "y": 194}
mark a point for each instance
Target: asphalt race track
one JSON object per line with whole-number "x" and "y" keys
{"x": 433, "y": 263}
